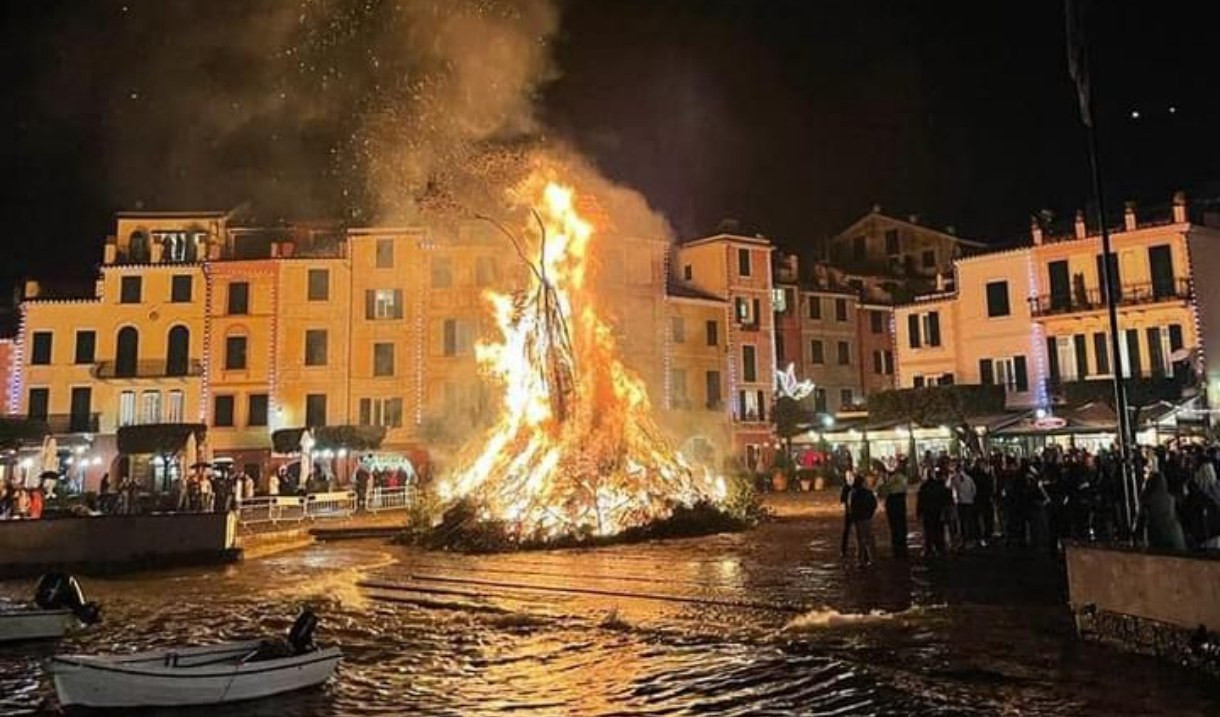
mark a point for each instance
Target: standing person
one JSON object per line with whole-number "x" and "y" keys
{"x": 36, "y": 503}
{"x": 964, "y": 493}
{"x": 1158, "y": 519}
{"x": 273, "y": 483}
{"x": 862, "y": 505}
{"x": 894, "y": 491}
{"x": 103, "y": 492}
{"x": 207, "y": 496}
{"x": 845, "y": 501}
{"x": 930, "y": 506}
{"x": 984, "y": 499}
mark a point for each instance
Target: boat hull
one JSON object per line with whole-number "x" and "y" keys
{"x": 185, "y": 678}
{"x": 34, "y": 624}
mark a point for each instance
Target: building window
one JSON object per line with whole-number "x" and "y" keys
{"x": 175, "y": 406}
{"x": 750, "y": 406}
{"x": 86, "y": 346}
{"x": 845, "y": 398}
{"x": 819, "y": 400}
{"x": 385, "y": 253}
{"x": 712, "y": 389}
{"x": 677, "y": 329}
{"x": 840, "y": 309}
{"x": 180, "y": 289}
{"x": 743, "y": 262}
{"x": 178, "y": 352}
{"x": 924, "y": 329}
{"x": 688, "y": 272}
{"x": 383, "y": 359}
{"x": 130, "y": 288}
{"x": 222, "y": 411}
{"x": 888, "y": 356}
{"x": 81, "y": 409}
{"x": 1007, "y": 372}
{"x": 878, "y": 363}
{"x": 815, "y": 307}
{"x": 780, "y": 351}
{"x": 127, "y": 352}
{"x": 315, "y": 410}
{"x": 1065, "y": 352}
{"x": 817, "y": 353}
{"x": 712, "y": 329}
{"x": 749, "y": 363}
{"x": 319, "y": 285}
{"x": 39, "y": 404}
{"x": 315, "y": 347}
{"x": 678, "y": 396}
{"x": 235, "y": 353}
{"x": 383, "y": 304}
{"x": 997, "y": 298}
{"x": 1101, "y": 352}
{"x": 127, "y": 408}
{"x": 876, "y": 321}
{"x": 918, "y": 381}
{"x": 946, "y": 379}
{"x": 844, "y": 353}
{"x": 442, "y": 272}
{"x": 381, "y": 412}
{"x": 485, "y": 271}
{"x": 40, "y": 350}
{"x": 458, "y": 338}
{"x": 929, "y": 259}
{"x": 150, "y": 407}
{"x": 891, "y": 242}
{"x": 239, "y": 298}
{"x": 859, "y": 248}
{"x": 256, "y": 409}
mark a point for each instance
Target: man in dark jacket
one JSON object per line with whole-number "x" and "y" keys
{"x": 933, "y": 500}
{"x": 861, "y": 507}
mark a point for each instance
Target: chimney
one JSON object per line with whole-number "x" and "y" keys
{"x": 1035, "y": 230}
{"x": 1129, "y": 217}
{"x": 913, "y": 218}
{"x": 1179, "y": 207}
{"x": 1081, "y": 230}
{"x": 32, "y": 289}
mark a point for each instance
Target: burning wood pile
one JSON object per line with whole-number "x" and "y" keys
{"x": 575, "y": 453}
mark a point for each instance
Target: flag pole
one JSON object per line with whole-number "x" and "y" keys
{"x": 1078, "y": 68}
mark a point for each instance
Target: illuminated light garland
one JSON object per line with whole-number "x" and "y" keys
{"x": 1037, "y": 334}
{"x": 274, "y": 421}
{"x": 206, "y": 384}
{"x": 17, "y": 365}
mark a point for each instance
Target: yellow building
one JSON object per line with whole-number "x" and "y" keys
{"x": 1034, "y": 319}
{"x": 196, "y": 319}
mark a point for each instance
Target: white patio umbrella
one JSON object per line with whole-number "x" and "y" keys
{"x": 190, "y": 454}
{"x": 307, "y": 444}
{"x": 50, "y": 455}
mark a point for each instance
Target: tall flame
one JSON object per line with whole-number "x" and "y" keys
{"x": 575, "y": 449}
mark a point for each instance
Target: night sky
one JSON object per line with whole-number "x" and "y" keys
{"x": 791, "y": 117}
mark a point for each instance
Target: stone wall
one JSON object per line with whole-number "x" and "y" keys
{"x": 115, "y": 543}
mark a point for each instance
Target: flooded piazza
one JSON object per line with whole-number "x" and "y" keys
{"x": 769, "y": 621}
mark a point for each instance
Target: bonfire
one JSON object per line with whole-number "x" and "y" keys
{"x": 575, "y": 451}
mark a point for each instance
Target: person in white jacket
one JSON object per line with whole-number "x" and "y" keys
{"x": 964, "y": 492}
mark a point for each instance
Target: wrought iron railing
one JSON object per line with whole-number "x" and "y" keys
{"x": 1082, "y": 299}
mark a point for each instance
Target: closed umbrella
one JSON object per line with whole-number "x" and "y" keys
{"x": 307, "y": 444}
{"x": 190, "y": 453}
{"x": 50, "y": 456}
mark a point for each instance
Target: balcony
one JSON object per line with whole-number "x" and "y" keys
{"x": 59, "y": 423}
{"x": 1083, "y": 299}
{"x": 155, "y": 368}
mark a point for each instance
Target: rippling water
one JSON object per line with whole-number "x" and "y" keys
{"x": 768, "y": 622}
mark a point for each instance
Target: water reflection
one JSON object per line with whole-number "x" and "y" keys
{"x": 765, "y": 623}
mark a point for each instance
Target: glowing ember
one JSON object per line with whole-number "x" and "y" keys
{"x": 575, "y": 449}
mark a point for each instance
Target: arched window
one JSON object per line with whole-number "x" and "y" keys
{"x": 127, "y": 352}
{"x": 137, "y": 248}
{"x": 177, "y": 356}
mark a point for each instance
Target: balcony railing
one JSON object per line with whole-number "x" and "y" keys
{"x": 69, "y": 422}
{"x": 1082, "y": 299}
{"x": 153, "y": 368}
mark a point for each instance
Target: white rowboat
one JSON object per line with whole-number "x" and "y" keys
{"x": 35, "y": 624}
{"x": 206, "y": 675}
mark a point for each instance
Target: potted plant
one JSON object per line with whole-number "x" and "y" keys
{"x": 819, "y": 480}
{"x": 806, "y": 477}
{"x": 781, "y": 469}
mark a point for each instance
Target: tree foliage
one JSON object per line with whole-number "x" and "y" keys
{"x": 159, "y": 438}
{"x": 353, "y": 438}
{"x": 18, "y": 432}
{"x": 936, "y": 405}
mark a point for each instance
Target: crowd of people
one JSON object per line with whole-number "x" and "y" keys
{"x": 18, "y": 502}
{"x": 1037, "y": 502}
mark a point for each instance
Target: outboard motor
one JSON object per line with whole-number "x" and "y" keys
{"x": 60, "y": 591}
{"x": 300, "y": 636}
